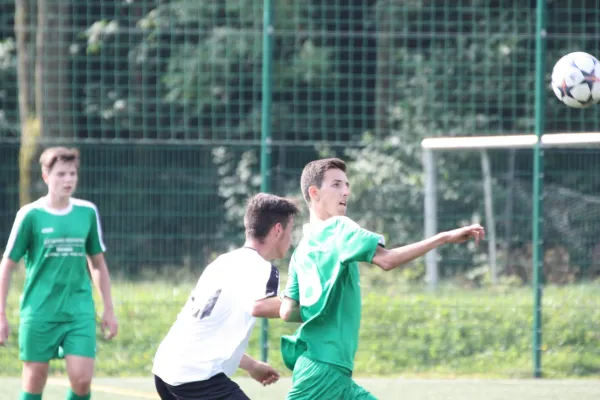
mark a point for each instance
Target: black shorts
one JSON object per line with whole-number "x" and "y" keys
{"x": 218, "y": 387}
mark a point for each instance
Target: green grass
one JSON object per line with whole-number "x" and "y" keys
{"x": 383, "y": 389}
{"x": 405, "y": 331}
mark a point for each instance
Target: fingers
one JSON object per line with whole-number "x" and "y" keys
{"x": 4, "y": 337}
{"x": 112, "y": 331}
{"x": 272, "y": 378}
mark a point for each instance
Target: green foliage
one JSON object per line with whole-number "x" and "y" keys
{"x": 404, "y": 330}
{"x": 8, "y": 88}
{"x": 373, "y": 78}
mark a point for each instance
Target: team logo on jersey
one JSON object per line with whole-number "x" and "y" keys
{"x": 47, "y": 230}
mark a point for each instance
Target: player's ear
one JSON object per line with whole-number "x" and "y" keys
{"x": 313, "y": 192}
{"x": 45, "y": 177}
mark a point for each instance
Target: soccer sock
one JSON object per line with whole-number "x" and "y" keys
{"x": 29, "y": 396}
{"x": 73, "y": 396}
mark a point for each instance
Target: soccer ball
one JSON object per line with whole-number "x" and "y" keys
{"x": 576, "y": 79}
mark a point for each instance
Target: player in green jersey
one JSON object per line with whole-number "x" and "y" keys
{"x": 60, "y": 238}
{"x": 323, "y": 288}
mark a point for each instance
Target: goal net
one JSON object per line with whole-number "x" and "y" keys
{"x": 489, "y": 179}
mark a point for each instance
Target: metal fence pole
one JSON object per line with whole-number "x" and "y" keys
{"x": 538, "y": 181}
{"x": 430, "y": 216}
{"x": 265, "y": 148}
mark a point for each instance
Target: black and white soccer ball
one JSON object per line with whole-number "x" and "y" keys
{"x": 576, "y": 79}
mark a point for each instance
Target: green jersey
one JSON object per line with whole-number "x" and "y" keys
{"x": 324, "y": 279}
{"x": 55, "y": 244}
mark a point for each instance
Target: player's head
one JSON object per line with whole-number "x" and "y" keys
{"x": 59, "y": 170}
{"x": 325, "y": 187}
{"x": 269, "y": 220}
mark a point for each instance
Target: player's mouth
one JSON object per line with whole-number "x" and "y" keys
{"x": 343, "y": 203}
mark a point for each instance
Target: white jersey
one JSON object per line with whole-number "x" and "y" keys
{"x": 212, "y": 330}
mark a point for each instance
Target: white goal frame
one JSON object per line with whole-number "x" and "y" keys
{"x": 481, "y": 143}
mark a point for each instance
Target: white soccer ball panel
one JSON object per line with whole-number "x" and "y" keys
{"x": 557, "y": 91}
{"x": 571, "y": 102}
{"x": 580, "y": 54}
{"x": 596, "y": 92}
{"x": 585, "y": 64}
{"x": 573, "y": 76}
{"x": 581, "y": 92}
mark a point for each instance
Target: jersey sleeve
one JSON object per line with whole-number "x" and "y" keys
{"x": 355, "y": 243}
{"x": 292, "y": 289}
{"x": 269, "y": 287}
{"x": 20, "y": 237}
{"x": 94, "y": 243}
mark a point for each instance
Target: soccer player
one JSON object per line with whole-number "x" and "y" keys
{"x": 323, "y": 289}
{"x": 60, "y": 238}
{"x": 206, "y": 344}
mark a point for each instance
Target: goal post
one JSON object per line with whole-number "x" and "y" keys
{"x": 431, "y": 146}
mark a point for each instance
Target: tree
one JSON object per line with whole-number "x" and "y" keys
{"x": 45, "y": 110}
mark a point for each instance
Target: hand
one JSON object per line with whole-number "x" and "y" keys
{"x": 263, "y": 373}
{"x": 4, "y": 330}
{"x": 463, "y": 234}
{"x": 110, "y": 327}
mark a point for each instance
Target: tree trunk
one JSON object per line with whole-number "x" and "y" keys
{"x": 29, "y": 124}
{"x": 54, "y": 105}
{"x": 52, "y": 116}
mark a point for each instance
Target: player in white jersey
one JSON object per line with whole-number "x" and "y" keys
{"x": 206, "y": 344}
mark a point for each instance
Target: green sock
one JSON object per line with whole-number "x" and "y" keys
{"x": 73, "y": 396}
{"x": 29, "y": 396}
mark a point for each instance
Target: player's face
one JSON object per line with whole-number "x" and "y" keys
{"x": 285, "y": 239}
{"x": 332, "y": 198}
{"x": 62, "y": 179}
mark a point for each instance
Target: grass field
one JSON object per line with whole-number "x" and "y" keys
{"x": 383, "y": 389}
{"x": 452, "y": 333}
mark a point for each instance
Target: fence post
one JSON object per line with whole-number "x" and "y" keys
{"x": 430, "y": 216}
{"x": 538, "y": 181}
{"x": 265, "y": 142}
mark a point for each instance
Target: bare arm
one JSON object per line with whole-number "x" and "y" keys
{"x": 101, "y": 279}
{"x": 390, "y": 259}
{"x": 290, "y": 310}
{"x": 6, "y": 268}
{"x": 247, "y": 362}
{"x": 259, "y": 371}
{"x": 267, "y": 308}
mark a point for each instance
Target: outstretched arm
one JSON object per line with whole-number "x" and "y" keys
{"x": 101, "y": 278}
{"x": 390, "y": 259}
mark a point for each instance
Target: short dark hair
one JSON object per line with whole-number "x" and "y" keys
{"x": 314, "y": 171}
{"x": 53, "y": 154}
{"x": 264, "y": 211}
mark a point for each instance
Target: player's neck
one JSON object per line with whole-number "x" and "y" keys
{"x": 260, "y": 248}
{"x": 57, "y": 202}
{"x": 317, "y": 216}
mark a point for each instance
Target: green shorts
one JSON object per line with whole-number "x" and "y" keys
{"x": 315, "y": 380}
{"x": 44, "y": 341}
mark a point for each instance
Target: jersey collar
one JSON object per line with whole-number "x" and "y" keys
{"x": 64, "y": 211}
